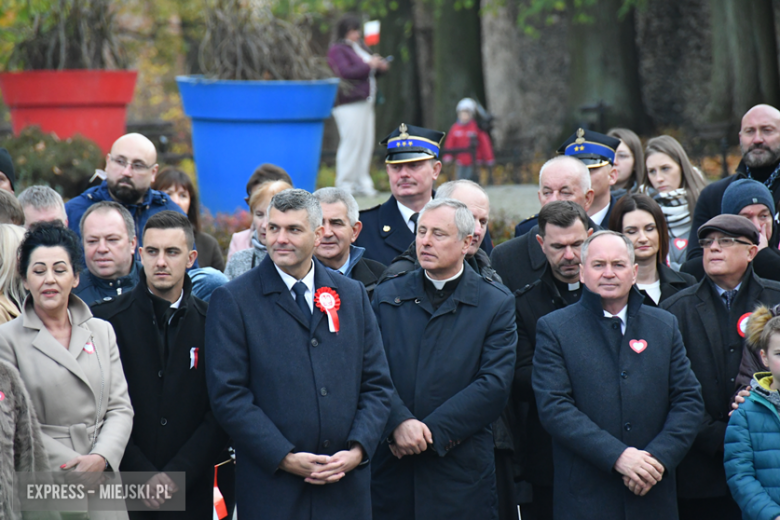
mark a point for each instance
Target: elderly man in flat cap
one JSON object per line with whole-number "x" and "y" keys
{"x": 712, "y": 317}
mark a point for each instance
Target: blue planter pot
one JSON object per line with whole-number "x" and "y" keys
{"x": 239, "y": 125}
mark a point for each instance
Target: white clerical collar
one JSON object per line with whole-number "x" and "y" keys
{"x": 622, "y": 315}
{"x": 439, "y": 284}
{"x": 600, "y": 214}
{"x": 407, "y": 213}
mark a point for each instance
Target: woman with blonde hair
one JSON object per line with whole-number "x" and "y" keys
{"x": 675, "y": 184}
{"x": 246, "y": 259}
{"x": 12, "y": 291}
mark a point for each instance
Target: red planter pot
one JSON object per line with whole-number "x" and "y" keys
{"x": 92, "y": 103}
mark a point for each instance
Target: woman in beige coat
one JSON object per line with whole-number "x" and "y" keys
{"x": 68, "y": 360}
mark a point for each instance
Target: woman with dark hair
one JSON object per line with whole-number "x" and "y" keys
{"x": 68, "y": 360}
{"x": 640, "y": 219}
{"x": 181, "y": 190}
{"x": 629, "y": 161}
{"x": 675, "y": 184}
{"x": 350, "y": 60}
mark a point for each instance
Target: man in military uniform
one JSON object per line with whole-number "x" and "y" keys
{"x": 412, "y": 163}
{"x": 597, "y": 151}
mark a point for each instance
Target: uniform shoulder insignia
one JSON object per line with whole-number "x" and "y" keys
{"x": 535, "y": 215}
{"x": 370, "y": 209}
{"x": 527, "y": 288}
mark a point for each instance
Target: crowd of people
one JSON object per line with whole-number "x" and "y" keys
{"x": 618, "y": 358}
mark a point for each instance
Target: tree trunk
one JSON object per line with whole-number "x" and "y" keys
{"x": 399, "y": 87}
{"x": 423, "y": 38}
{"x": 721, "y": 79}
{"x": 604, "y": 67}
{"x": 457, "y": 61}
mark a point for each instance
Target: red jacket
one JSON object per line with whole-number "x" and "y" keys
{"x": 459, "y": 136}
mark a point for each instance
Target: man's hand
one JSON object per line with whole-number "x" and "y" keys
{"x": 156, "y": 500}
{"x": 339, "y": 465}
{"x": 739, "y": 399}
{"x": 412, "y": 437}
{"x": 303, "y": 464}
{"x": 762, "y": 237}
{"x": 641, "y": 468}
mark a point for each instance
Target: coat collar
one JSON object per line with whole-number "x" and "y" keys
{"x": 466, "y": 293}
{"x": 669, "y": 276}
{"x": 79, "y": 336}
{"x": 392, "y": 227}
{"x": 131, "y": 280}
{"x": 272, "y": 283}
{"x": 592, "y": 302}
{"x": 751, "y": 286}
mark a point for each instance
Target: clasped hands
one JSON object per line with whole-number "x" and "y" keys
{"x": 411, "y": 437}
{"x": 322, "y": 469}
{"x": 641, "y": 471}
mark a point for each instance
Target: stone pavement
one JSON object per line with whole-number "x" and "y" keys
{"x": 516, "y": 202}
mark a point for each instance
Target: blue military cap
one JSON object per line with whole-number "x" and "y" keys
{"x": 409, "y": 143}
{"x": 592, "y": 148}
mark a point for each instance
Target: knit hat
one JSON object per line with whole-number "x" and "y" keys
{"x": 7, "y": 166}
{"x": 745, "y": 192}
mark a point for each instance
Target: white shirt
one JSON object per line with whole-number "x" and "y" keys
{"x": 439, "y": 284}
{"x": 407, "y": 213}
{"x": 653, "y": 290}
{"x": 599, "y": 215}
{"x": 622, "y": 315}
{"x": 307, "y": 280}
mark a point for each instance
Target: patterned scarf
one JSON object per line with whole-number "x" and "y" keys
{"x": 674, "y": 204}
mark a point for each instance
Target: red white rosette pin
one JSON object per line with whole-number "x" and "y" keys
{"x": 327, "y": 300}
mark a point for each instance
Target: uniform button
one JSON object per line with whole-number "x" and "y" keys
{"x": 397, "y": 300}
{"x": 163, "y": 421}
{"x": 160, "y": 373}
{"x": 627, "y": 426}
{"x": 325, "y": 443}
{"x": 624, "y": 374}
{"x": 731, "y": 350}
{"x": 323, "y": 391}
{"x": 314, "y": 342}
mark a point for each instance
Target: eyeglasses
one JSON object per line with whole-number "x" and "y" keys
{"x": 136, "y": 166}
{"x": 706, "y": 243}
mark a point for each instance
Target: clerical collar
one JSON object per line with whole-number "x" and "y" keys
{"x": 439, "y": 284}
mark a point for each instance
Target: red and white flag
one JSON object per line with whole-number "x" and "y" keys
{"x": 220, "y": 508}
{"x": 371, "y": 32}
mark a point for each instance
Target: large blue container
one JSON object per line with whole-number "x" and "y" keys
{"x": 238, "y": 125}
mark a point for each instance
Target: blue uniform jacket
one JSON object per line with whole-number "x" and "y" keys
{"x": 453, "y": 370}
{"x": 279, "y": 382}
{"x": 597, "y": 396}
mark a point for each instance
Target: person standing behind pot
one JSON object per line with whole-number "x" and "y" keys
{"x": 351, "y": 61}
{"x": 675, "y": 184}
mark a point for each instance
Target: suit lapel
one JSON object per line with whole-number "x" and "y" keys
{"x": 708, "y": 316}
{"x": 535, "y": 253}
{"x": 48, "y": 345}
{"x": 272, "y": 283}
{"x": 392, "y": 227}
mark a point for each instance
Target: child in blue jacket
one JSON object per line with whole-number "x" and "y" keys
{"x": 752, "y": 446}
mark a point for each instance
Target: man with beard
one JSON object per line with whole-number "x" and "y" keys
{"x": 759, "y": 140}
{"x": 131, "y": 166}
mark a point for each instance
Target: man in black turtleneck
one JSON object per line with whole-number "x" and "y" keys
{"x": 759, "y": 140}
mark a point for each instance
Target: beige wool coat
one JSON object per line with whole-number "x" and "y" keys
{"x": 79, "y": 393}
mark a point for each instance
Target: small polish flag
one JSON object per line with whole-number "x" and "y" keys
{"x": 371, "y": 32}
{"x": 220, "y": 509}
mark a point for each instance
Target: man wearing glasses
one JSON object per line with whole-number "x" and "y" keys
{"x": 130, "y": 169}
{"x": 712, "y": 317}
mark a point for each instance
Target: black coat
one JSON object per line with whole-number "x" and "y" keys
{"x": 173, "y": 428}
{"x": 672, "y": 282}
{"x": 368, "y": 272}
{"x": 385, "y": 234}
{"x": 521, "y": 261}
{"x": 534, "y": 443}
{"x": 407, "y": 261}
{"x": 715, "y": 350}
{"x": 452, "y": 369}
{"x": 598, "y": 396}
{"x": 767, "y": 262}
{"x": 526, "y": 225}
{"x": 280, "y": 381}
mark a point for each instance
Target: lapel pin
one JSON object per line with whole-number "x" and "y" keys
{"x": 742, "y": 324}
{"x": 386, "y": 229}
{"x": 637, "y": 345}
{"x": 89, "y": 348}
{"x": 194, "y": 358}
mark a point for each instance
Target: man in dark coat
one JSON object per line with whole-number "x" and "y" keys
{"x": 109, "y": 241}
{"x": 616, "y": 392}
{"x": 711, "y": 317}
{"x": 160, "y": 328}
{"x": 759, "y": 141}
{"x": 450, "y": 337}
{"x": 297, "y": 376}
{"x": 340, "y": 229}
{"x": 563, "y": 228}
{"x": 520, "y": 261}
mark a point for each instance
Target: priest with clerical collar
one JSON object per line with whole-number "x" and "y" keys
{"x": 449, "y": 336}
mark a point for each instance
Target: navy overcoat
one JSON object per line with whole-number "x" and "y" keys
{"x": 453, "y": 370}
{"x": 279, "y": 382}
{"x": 598, "y": 396}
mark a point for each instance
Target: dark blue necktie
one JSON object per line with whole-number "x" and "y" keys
{"x": 728, "y": 297}
{"x": 300, "y": 289}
